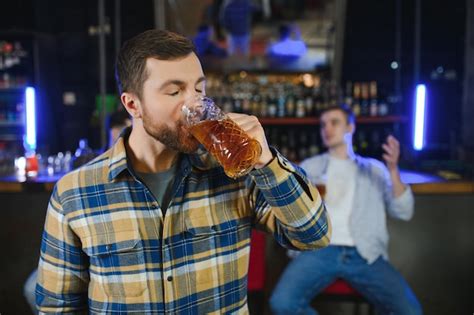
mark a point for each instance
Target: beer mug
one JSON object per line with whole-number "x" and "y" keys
{"x": 221, "y": 136}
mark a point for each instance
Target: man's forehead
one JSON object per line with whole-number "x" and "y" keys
{"x": 183, "y": 70}
{"x": 332, "y": 114}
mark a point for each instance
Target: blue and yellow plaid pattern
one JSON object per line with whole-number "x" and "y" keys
{"x": 107, "y": 248}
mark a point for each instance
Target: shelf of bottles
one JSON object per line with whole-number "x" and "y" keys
{"x": 288, "y": 106}
{"x": 15, "y": 73}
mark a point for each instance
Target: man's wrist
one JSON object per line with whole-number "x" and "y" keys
{"x": 265, "y": 160}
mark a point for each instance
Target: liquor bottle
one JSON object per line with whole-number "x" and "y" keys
{"x": 255, "y": 105}
{"x": 362, "y": 142}
{"x": 303, "y": 147}
{"x": 309, "y": 105}
{"x": 313, "y": 146}
{"x": 83, "y": 154}
{"x": 227, "y": 105}
{"x": 292, "y": 146}
{"x": 383, "y": 108}
{"x": 290, "y": 106}
{"x": 348, "y": 94}
{"x": 356, "y": 99}
{"x": 281, "y": 110}
{"x": 333, "y": 94}
{"x": 284, "y": 149}
{"x": 246, "y": 105}
{"x": 375, "y": 143}
{"x": 364, "y": 104}
{"x": 264, "y": 106}
{"x": 272, "y": 106}
{"x": 373, "y": 98}
{"x": 317, "y": 99}
{"x": 300, "y": 108}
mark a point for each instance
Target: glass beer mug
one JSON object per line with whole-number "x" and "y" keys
{"x": 222, "y": 137}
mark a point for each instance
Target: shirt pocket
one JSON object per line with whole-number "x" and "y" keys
{"x": 117, "y": 263}
{"x": 215, "y": 248}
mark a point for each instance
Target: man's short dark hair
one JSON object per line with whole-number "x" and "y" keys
{"x": 130, "y": 68}
{"x": 346, "y": 110}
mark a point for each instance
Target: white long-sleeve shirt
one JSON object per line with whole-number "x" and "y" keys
{"x": 373, "y": 198}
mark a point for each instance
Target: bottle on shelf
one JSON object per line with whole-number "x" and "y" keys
{"x": 83, "y": 154}
{"x": 356, "y": 100}
{"x": 373, "y": 99}
{"x": 348, "y": 94}
{"x": 364, "y": 104}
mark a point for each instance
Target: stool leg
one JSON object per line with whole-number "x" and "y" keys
{"x": 371, "y": 309}
{"x": 357, "y": 308}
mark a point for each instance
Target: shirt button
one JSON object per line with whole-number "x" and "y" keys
{"x": 214, "y": 228}
{"x": 170, "y": 278}
{"x": 154, "y": 206}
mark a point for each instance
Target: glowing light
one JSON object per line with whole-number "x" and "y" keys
{"x": 30, "y": 118}
{"x": 420, "y": 109}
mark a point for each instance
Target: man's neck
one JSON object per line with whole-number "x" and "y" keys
{"x": 342, "y": 151}
{"x": 148, "y": 155}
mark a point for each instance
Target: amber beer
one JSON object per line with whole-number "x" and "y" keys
{"x": 322, "y": 190}
{"x": 229, "y": 144}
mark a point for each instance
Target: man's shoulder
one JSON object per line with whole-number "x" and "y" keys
{"x": 372, "y": 164}
{"x": 95, "y": 172}
{"x": 314, "y": 160}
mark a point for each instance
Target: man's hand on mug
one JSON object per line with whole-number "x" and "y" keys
{"x": 254, "y": 129}
{"x": 392, "y": 152}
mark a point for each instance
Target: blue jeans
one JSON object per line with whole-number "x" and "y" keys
{"x": 311, "y": 272}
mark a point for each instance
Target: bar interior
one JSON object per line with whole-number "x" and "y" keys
{"x": 404, "y": 67}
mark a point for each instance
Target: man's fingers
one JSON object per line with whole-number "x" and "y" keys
{"x": 387, "y": 148}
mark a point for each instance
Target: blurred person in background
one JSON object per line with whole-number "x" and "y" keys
{"x": 154, "y": 225}
{"x": 360, "y": 192}
{"x": 289, "y": 44}
{"x": 204, "y": 44}
{"x": 236, "y": 18}
{"x": 118, "y": 120}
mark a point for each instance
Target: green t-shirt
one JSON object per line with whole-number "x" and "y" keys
{"x": 160, "y": 185}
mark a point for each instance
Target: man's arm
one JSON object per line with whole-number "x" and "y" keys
{"x": 288, "y": 206}
{"x": 284, "y": 200}
{"x": 391, "y": 157}
{"x": 398, "y": 195}
{"x": 63, "y": 275}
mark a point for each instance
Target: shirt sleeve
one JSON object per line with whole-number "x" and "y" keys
{"x": 288, "y": 206}
{"x": 63, "y": 275}
{"x": 401, "y": 207}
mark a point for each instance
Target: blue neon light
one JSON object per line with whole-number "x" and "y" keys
{"x": 30, "y": 118}
{"x": 420, "y": 109}
{"x": 288, "y": 48}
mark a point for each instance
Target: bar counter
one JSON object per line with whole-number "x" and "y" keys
{"x": 434, "y": 251}
{"x": 421, "y": 183}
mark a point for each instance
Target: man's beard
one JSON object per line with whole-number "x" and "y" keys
{"x": 178, "y": 138}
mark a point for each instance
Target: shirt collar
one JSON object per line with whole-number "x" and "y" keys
{"x": 118, "y": 162}
{"x": 118, "y": 155}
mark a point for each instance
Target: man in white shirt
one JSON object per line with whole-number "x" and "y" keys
{"x": 359, "y": 193}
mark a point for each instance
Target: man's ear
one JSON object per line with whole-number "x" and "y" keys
{"x": 352, "y": 128}
{"x": 132, "y": 104}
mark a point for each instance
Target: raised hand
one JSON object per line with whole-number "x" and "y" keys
{"x": 254, "y": 129}
{"x": 392, "y": 152}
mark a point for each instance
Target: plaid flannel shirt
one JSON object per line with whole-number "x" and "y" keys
{"x": 107, "y": 248}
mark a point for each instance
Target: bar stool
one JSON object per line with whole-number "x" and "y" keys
{"x": 341, "y": 291}
{"x": 256, "y": 274}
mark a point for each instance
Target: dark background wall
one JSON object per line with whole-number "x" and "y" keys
{"x": 69, "y": 60}
{"x": 370, "y": 47}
